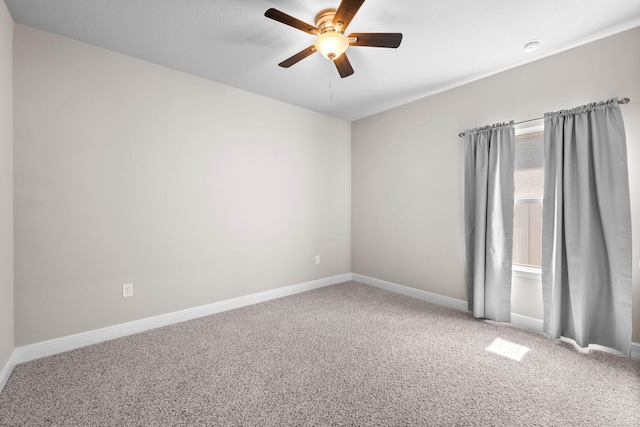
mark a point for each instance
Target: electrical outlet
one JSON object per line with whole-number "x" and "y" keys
{"x": 317, "y": 259}
{"x": 127, "y": 290}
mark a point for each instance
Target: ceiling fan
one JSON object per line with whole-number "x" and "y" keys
{"x": 331, "y": 41}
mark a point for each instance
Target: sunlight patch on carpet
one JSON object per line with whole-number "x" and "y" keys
{"x": 508, "y": 349}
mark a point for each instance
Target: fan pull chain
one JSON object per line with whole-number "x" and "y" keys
{"x": 330, "y": 88}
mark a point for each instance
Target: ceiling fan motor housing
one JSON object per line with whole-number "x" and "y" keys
{"x": 324, "y": 20}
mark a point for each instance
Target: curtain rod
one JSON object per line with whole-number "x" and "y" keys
{"x": 622, "y": 101}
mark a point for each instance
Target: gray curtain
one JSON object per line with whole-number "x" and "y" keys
{"x": 586, "y": 227}
{"x": 489, "y": 164}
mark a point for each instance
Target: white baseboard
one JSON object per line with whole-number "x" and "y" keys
{"x": 458, "y": 304}
{"x": 634, "y": 353}
{"x": 412, "y": 292}
{"x": 71, "y": 342}
{"x": 7, "y": 369}
{"x": 526, "y": 322}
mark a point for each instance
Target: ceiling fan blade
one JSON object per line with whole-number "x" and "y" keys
{"x": 391, "y": 40}
{"x": 343, "y": 65}
{"x": 298, "y": 57}
{"x": 276, "y": 15}
{"x": 346, "y": 11}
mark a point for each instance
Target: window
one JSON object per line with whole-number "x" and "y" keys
{"x": 527, "y": 213}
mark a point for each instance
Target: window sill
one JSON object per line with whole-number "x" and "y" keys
{"x": 527, "y": 272}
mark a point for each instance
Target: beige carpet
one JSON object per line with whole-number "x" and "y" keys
{"x": 347, "y": 354}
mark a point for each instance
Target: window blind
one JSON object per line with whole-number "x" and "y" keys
{"x": 529, "y": 166}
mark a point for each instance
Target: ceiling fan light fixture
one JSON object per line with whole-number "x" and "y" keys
{"x": 331, "y": 44}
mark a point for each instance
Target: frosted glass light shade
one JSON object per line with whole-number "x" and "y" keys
{"x": 331, "y": 44}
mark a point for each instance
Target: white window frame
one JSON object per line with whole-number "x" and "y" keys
{"x": 521, "y": 270}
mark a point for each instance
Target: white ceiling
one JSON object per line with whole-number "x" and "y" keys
{"x": 446, "y": 42}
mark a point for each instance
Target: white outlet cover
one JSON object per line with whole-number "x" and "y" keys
{"x": 127, "y": 290}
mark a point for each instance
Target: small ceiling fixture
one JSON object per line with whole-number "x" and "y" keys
{"x": 331, "y": 41}
{"x": 531, "y": 45}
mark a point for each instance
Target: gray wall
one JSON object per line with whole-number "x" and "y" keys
{"x": 195, "y": 192}
{"x": 6, "y": 185}
{"x": 407, "y": 165}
